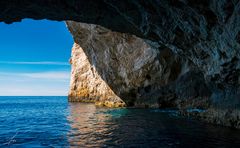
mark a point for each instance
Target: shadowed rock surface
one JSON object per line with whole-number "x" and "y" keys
{"x": 141, "y": 72}
{"x": 197, "y": 42}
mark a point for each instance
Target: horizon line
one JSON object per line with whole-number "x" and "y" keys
{"x": 35, "y": 63}
{"x": 32, "y": 96}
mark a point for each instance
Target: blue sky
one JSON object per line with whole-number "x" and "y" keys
{"x": 34, "y": 58}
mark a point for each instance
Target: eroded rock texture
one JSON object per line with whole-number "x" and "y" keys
{"x": 188, "y": 55}
{"x": 140, "y": 72}
{"x": 86, "y": 84}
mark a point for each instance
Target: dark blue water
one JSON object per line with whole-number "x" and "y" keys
{"x": 53, "y": 122}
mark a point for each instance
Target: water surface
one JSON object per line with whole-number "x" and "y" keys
{"x": 53, "y": 122}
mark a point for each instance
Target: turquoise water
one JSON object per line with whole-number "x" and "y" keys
{"x": 53, "y": 122}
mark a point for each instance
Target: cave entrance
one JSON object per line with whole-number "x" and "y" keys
{"x": 34, "y": 58}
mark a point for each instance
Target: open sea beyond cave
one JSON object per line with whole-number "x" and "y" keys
{"x": 54, "y": 122}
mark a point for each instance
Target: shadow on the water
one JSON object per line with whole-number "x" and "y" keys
{"x": 104, "y": 127}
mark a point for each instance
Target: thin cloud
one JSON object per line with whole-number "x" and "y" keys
{"x": 52, "y": 75}
{"x": 34, "y": 84}
{"x": 48, "y": 75}
{"x": 35, "y": 63}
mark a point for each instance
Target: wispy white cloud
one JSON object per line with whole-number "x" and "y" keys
{"x": 35, "y": 63}
{"x": 39, "y": 83}
{"x": 48, "y": 75}
{"x": 53, "y": 75}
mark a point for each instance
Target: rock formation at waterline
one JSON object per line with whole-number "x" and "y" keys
{"x": 140, "y": 72}
{"x": 110, "y": 68}
{"x": 188, "y": 50}
{"x": 87, "y": 85}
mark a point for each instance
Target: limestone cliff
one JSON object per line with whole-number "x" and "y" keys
{"x": 108, "y": 64}
{"x": 110, "y": 68}
{"x": 123, "y": 61}
{"x": 87, "y": 85}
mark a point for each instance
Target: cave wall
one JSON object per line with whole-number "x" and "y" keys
{"x": 116, "y": 69}
{"x": 140, "y": 72}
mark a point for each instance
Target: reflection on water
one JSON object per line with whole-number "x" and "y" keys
{"x": 91, "y": 126}
{"x": 53, "y": 122}
{"x": 104, "y": 127}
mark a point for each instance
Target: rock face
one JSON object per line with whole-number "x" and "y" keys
{"x": 124, "y": 62}
{"x": 109, "y": 65}
{"x": 86, "y": 84}
{"x": 187, "y": 54}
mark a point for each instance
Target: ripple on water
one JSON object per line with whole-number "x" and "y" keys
{"x": 53, "y": 122}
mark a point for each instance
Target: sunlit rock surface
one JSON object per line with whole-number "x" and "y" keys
{"x": 140, "y": 72}
{"x": 86, "y": 84}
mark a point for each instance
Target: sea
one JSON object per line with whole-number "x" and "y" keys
{"x": 51, "y": 122}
